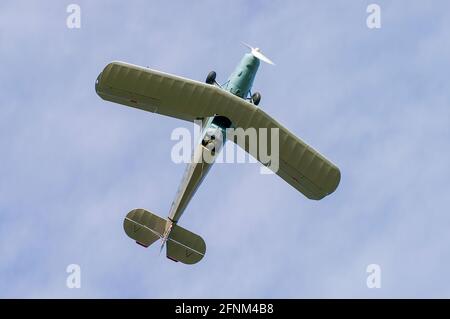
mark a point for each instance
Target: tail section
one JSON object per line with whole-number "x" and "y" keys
{"x": 185, "y": 246}
{"x": 146, "y": 228}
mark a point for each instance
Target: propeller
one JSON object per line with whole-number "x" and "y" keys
{"x": 256, "y": 52}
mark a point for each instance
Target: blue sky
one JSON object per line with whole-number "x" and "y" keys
{"x": 376, "y": 102}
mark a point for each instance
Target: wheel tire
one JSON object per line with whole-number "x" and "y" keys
{"x": 256, "y": 98}
{"x": 211, "y": 78}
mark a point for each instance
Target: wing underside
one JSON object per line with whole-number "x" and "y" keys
{"x": 299, "y": 164}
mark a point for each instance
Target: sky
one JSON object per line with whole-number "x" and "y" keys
{"x": 374, "y": 101}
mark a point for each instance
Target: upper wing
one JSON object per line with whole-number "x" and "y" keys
{"x": 299, "y": 164}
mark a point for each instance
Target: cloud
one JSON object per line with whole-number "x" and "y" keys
{"x": 72, "y": 165}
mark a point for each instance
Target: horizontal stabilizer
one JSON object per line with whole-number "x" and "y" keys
{"x": 144, "y": 227}
{"x": 185, "y": 246}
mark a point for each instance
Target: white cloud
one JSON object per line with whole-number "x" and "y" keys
{"x": 73, "y": 165}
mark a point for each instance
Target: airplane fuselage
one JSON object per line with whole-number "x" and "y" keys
{"x": 241, "y": 80}
{"x": 213, "y": 137}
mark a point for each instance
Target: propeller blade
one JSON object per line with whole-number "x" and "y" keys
{"x": 256, "y": 52}
{"x": 247, "y": 45}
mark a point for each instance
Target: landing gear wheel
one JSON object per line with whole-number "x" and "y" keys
{"x": 256, "y": 98}
{"x": 211, "y": 78}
